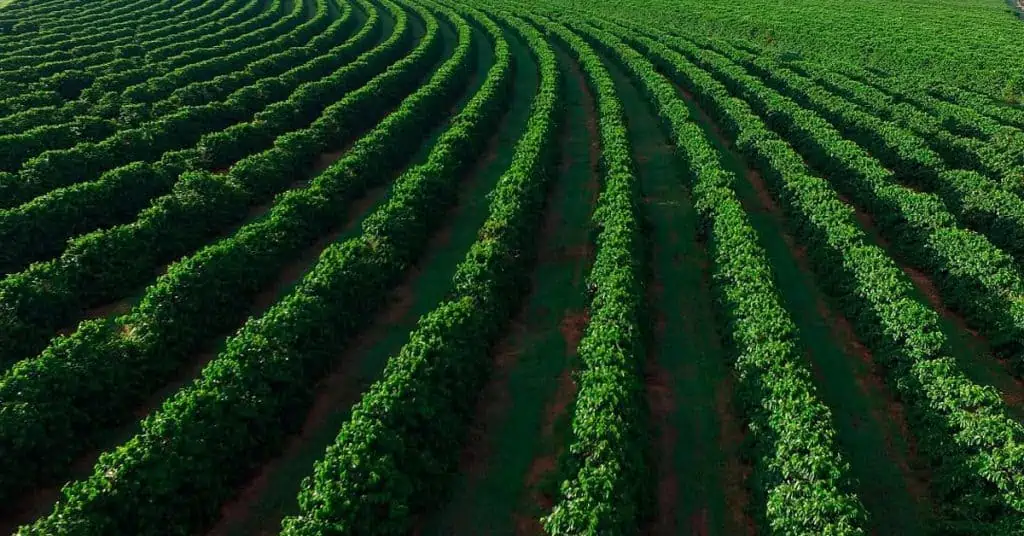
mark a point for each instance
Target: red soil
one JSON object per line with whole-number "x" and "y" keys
{"x": 340, "y": 388}
{"x": 547, "y": 462}
{"x": 873, "y": 386}
{"x": 495, "y": 398}
{"x": 119, "y": 307}
{"x": 662, "y": 403}
{"x": 732, "y": 431}
{"x": 573, "y": 326}
{"x": 731, "y": 435}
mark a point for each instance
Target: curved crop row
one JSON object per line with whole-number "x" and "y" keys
{"x": 197, "y": 124}
{"x": 211, "y": 434}
{"x": 146, "y": 142}
{"x": 105, "y": 96}
{"x": 48, "y": 138}
{"x": 975, "y": 200}
{"x": 210, "y": 291}
{"x": 956, "y": 150}
{"x": 165, "y": 41}
{"x": 15, "y": 149}
{"x": 46, "y": 114}
{"x": 77, "y": 79}
{"x": 41, "y": 227}
{"x": 962, "y": 427}
{"x": 84, "y": 161}
{"x": 806, "y": 483}
{"x": 959, "y": 119}
{"x": 48, "y": 27}
{"x": 221, "y": 86}
{"x": 106, "y": 79}
{"x": 164, "y": 56}
{"x": 367, "y": 484}
{"x": 69, "y": 76}
{"x": 14, "y": 12}
{"x": 206, "y": 45}
{"x": 253, "y": 48}
{"x": 227, "y": 56}
{"x": 176, "y": 54}
{"x": 35, "y": 117}
{"x": 1008, "y": 115}
{"x": 46, "y": 10}
{"x": 40, "y": 34}
{"x": 974, "y": 276}
{"x": 28, "y": 100}
{"x": 608, "y": 487}
{"x": 106, "y": 265}
{"x": 172, "y": 38}
{"x": 201, "y": 45}
{"x": 992, "y": 155}
{"x": 104, "y": 38}
{"x": 27, "y": 65}
{"x": 1000, "y": 148}
{"x": 80, "y": 277}
{"x": 107, "y": 39}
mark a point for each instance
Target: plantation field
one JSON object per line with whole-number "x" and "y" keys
{"x": 325, "y": 267}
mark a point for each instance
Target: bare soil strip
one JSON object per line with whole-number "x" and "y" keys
{"x": 867, "y": 412}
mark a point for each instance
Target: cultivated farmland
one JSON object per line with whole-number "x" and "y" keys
{"x": 360, "y": 267}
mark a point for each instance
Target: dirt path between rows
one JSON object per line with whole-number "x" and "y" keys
{"x": 661, "y": 401}
{"x": 339, "y": 388}
{"x": 732, "y": 428}
{"x": 573, "y": 323}
{"x": 495, "y": 399}
{"x": 544, "y": 465}
{"x": 732, "y": 433}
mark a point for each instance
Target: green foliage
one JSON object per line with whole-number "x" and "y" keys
{"x": 41, "y": 226}
{"x": 974, "y": 275}
{"x": 608, "y": 489}
{"x": 96, "y": 54}
{"x": 134, "y": 133}
{"x": 393, "y": 457}
{"x": 1013, "y": 90}
{"x": 148, "y": 141}
{"x": 209, "y": 435}
{"x": 975, "y": 476}
{"x": 205, "y": 293}
{"x": 806, "y": 481}
{"x": 972, "y": 45}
